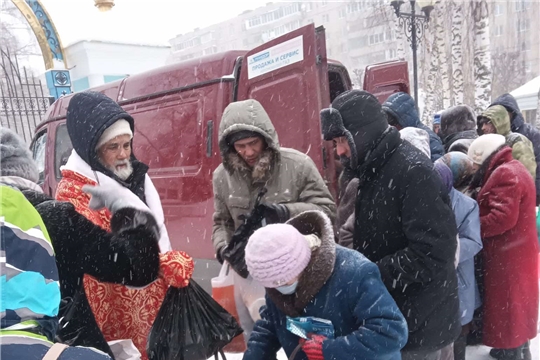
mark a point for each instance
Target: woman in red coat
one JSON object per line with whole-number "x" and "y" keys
{"x": 506, "y": 196}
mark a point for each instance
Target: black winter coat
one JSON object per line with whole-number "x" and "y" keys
{"x": 520, "y": 126}
{"x": 405, "y": 225}
{"x": 128, "y": 255}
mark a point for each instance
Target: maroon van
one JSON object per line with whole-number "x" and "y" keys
{"x": 177, "y": 110}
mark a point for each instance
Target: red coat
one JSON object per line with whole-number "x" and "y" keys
{"x": 508, "y": 223}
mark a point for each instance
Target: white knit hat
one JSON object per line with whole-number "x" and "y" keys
{"x": 276, "y": 254}
{"x": 484, "y": 146}
{"x": 121, "y": 127}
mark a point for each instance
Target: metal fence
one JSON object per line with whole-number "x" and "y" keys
{"x": 23, "y": 98}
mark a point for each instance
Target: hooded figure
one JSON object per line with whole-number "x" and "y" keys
{"x": 470, "y": 243}
{"x": 101, "y": 133}
{"x": 306, "y": 274}
{"x": 253, "y": 160}
{"x": 16, "y": 164}
{"x": 30, "y": 285}
{"x": 519, "y": 126}
{"x": 403, "y": 222}
{"x": 458, "y": 128}
{"x": 507, "y": 207}
{"x": 401, "y": 111}
{"x": 495, "y": 120}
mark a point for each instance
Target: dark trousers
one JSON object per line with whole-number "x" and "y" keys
{"x": 460, "y": 345}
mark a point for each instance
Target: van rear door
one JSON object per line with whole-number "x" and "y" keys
{"x": 289, "y": 77}
{"x": 384, "y": 79}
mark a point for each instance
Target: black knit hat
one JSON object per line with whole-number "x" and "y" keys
{"x": 241, "y": 135}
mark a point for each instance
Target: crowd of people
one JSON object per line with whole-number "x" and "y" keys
{"x": 447, "y": 215}
{"x": 433, "y": 244}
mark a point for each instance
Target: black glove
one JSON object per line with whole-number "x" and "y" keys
{"x": 234, "y": 254}
{"x": 275, "y": 213}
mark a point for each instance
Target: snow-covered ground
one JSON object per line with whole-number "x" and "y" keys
{"x": 473, "y": 353}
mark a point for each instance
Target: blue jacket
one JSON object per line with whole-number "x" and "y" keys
{"x": 30, "y": 289}
{"x": 402, "y": 107}
{"x": 470, "y": 243}
{"x": 346, "y": 288}
{"x": 520, "y": 126}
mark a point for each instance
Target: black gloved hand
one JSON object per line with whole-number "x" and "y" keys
{"x": 234, "y": 254}
{"x": 275, "y": 213}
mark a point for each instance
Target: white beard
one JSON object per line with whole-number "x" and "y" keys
{"x": 124, "y": 172}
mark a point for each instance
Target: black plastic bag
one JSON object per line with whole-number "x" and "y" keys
{"x": 190, "y": 325}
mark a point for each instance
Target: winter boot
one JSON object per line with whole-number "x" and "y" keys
{"x": 522, "y": 352}
{"x": 526, "y": 351}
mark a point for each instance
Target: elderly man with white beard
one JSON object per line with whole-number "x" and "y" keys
{"x": 101, "y": 133}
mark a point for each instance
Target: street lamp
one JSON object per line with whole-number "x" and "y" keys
{"x": 413, "y": 25}
{"x": 104, "y": 5}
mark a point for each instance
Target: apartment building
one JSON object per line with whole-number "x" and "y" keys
{"x": 515, "y": 45}
{"x": 362, "y": 32}
{"x": 358, "y": 33}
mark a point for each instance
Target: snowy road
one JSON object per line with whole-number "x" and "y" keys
{"x": 473, "y": 353}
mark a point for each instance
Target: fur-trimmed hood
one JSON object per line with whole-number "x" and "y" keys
{"x": 319, "y": 269}
{"x": 248, "y": 115}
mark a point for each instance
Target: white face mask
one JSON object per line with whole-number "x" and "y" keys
{"x": 288, "y": 289}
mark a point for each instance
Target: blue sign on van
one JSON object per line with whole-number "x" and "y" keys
{"x": 259, "y": 57}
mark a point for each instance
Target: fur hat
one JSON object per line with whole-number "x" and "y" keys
{"x": 121, "y": 127}
{"x": 484, "y": 146}
{"x": 15, "y": 157}
{"x": 419, "y": 138}
{"x": 457, "y": 119}
{"x": 332, "y": 127}
{"x": 276, "y": 254}
{"x": 355, "y": 114}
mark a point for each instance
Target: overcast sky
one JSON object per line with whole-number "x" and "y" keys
{"x": 140, "y": 21}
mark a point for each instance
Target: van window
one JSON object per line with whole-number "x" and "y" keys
{"x": 336, "y": 84}
{"x": 62, "y": 149}
{"x": 169, "y": 137}
{"x": 38, "y": 153}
